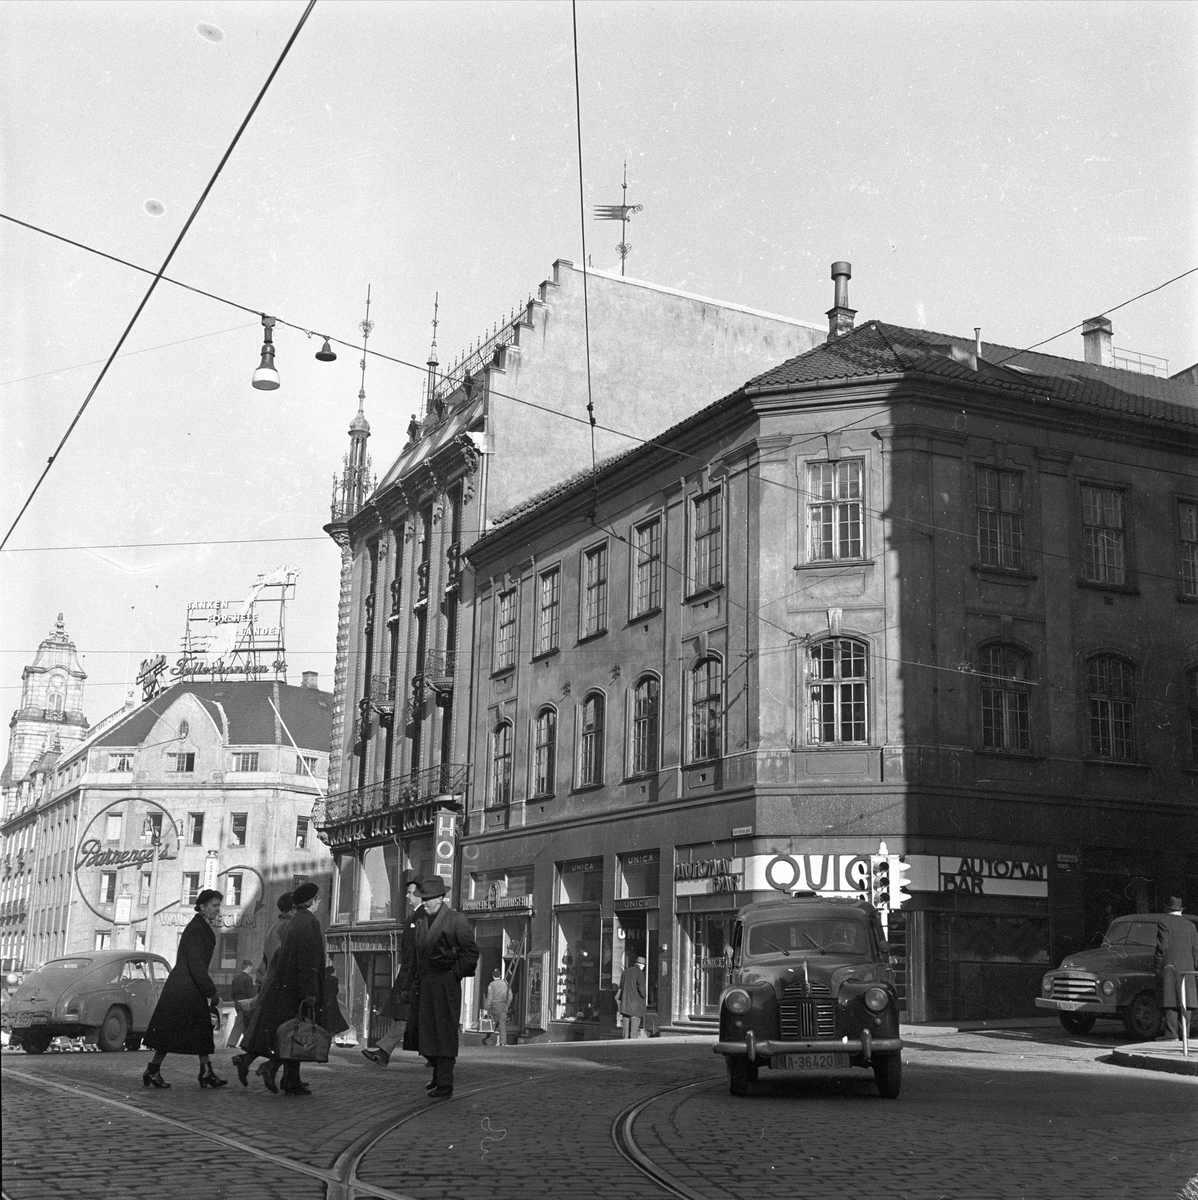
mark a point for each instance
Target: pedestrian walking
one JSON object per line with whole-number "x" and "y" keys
{"x": 446, "y": 953}
{"x": 188, "y": 1007}
{"x": 495, "y": 1005}
{"x": 1176, "y": 954}
{"x": 274, "y": 935}
{"x": 631, "y": 998}
{"x": 243, "y": 989}
{"x": 397, "y": 1009}
{"x": 296, "y": 981}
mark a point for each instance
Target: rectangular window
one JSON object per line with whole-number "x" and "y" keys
{"x": 237, "y": 829}
{"x": 834, "y": 515}
{"x": 708, "y": 535}
{"x": 549, "y": 589}
{"x": 102, "y": 939}
{"x": 836, "y": 702}
{"x": 139, "y": 940}
{"x": 151, "y": 829}
{"x": 1006, "y": 721}
{"x": 245, "y": 762}
{"x": 191, "y": 887}
{"x": 233, "y": 891}
{"x": 1000, "y": 518}
{"x": 195, "y": 829}
{"x": 147, "y": 881}
{"x": 120, "y": 762}
{"x": 301, "y": 833}
{"x": 1187, "y": 520}
{"x": 505, "y": 631}
{"x": 1103, "y": 538}
{"x": 181, "y": 764}
{"x": 1112, "y": 687}
{"x": 305, "y": 765}
{"x": 595, "y": 592}
{"x": 647, "y": 553}
{"x": 228, "y": 951}
{"x": 112, "y": 827}
{"x": 107, "y": 887}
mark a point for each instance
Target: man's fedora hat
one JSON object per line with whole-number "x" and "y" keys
{"x": 429, "y": 889}
{"x": 1174, "y": 902}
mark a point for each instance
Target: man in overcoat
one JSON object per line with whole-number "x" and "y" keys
{"x": 632, "y": 997}
{"x": 445, "y": 954}
{"x": 1176, "y": 954}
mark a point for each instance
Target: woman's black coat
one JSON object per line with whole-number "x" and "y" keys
{"x": 298, "y": 970}
{"x": 182, "y": 1020}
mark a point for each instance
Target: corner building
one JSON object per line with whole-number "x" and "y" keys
{"x": 904, "y": 587}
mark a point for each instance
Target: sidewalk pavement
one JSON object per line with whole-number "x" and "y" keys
{"x": 1158, "y": 1056}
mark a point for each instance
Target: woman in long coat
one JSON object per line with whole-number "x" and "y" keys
{"x": 183, "y": 1018}
{"x": 296, "y": 980}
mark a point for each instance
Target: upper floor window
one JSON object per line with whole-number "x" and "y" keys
{"x": 505, "y": 630}
{"x": 237, "y": 829}
{"x": 184, "y": 729}
{"x": 707, "y": 531}
{"x": 549, "y": 604}
{"x": 1111, "y": 685}
{"x": 590, "y": 749}
{"x": 501, "y": 764}
{"x": 544, "y": 757}
{"x": 107, "y": 887}
{"x": 181, "y": 764}
{"x": 837, "y": 672}
{"x": 246, "y": 761}
{"x": 1000, "y": 518}
{"x": 120, "y": 762}
{"x": 1006, "y": 721}
{"x": 1192, "y": 705}
{"x": 306, "y": 764}
{"x": 112, "y": 827}
{"x": 1187, "y": 523}
{"x": 647, "y": 554}
{"x": 707, "y": 709}
{"x": 1103, "y": 535}
{"x": 594, "y": 613}
{"x": 646, "y": 725}
{"x": 233, "y": 890}
{"x": 301, "y": 833}
{"x": 834, "y": 515}
{"x": 191, "y": 887}
{"x": 195, "y": 829}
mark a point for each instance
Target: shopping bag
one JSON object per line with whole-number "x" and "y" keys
{"x": 302, "y": 1040}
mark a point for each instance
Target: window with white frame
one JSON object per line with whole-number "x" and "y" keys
{"x": 301, "y": 833}
{"x": 646, "y": 549}
{"x": 1006, "y": 719}
{"x": 549, "y": 604}
{"x": 102, "y": 939}
{"x": 707, "y": 709}
{"x": 590, "y": 745}
{"x": 501, "y": 764}
{"x": 233, "y": 889}
{"x": 112, "y": 826}
{"x": 1000, "y": 518}
{"x": 707, "y": 538}
{"x": 237, "y": 828}
{"x": 181, "y": 764}
{"x": 1111, "y": 685}
{"x": 834, "y": 510}
{"x": 306, "y": 764}
{"x": 245, "y": 761}
{"x": 594, "y": 594}
{"x": 195, "y": 829}
{"x": 1187, "y": 528}
{"x": 146, "y": 883}
{"x": 646, "y": 725}
{"x": 191, "y": 887}
{"x": 544, "y": 753}
{"x": 122, "y": 761}
{"x": 505, "y": 630}
{"x": 837, "y": 677}
{"x": 107, "y": 887}
{"x": 1103, "y": 535}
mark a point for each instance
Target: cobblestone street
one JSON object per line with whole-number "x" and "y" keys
{"x": 1003, "y": 1113}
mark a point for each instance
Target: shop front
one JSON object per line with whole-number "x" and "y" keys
{"x": 576, "y": 953}
{"x": 499, "y": 903}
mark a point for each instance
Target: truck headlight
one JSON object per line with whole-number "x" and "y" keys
{"x": 1046, "y": 985}
{"x": 738, "y": 1002}
{"x": 1107, "y": 987}
{"x": 876, "y": 999}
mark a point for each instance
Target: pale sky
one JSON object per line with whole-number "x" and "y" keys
{"x": 1014, "y": 166}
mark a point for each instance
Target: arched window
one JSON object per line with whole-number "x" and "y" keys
{"x": 1111, "y": 686}
{"x": 590, "y": 749}
{"x": 837, "y": 675}
{"x": 56, "y": 699}
{"x": 501, "y": 764}
{"x": 1006, "y": 723}
{"x": 707, "y": 709}
{"x": 544, "y": 755}
{"x": 646, "y": 725}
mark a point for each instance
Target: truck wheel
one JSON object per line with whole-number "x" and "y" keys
{"x": 888, "y": 1074}
{"x": 114, "y": 1030}
{"x": 741, "y": 1073}
{"x": 1078, "y": 1024}
{"x": 36, "y": 1043}
{"x": 1142, "y": 1017}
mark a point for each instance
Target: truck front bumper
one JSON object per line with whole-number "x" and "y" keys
{"x": 1073, "y": 1006}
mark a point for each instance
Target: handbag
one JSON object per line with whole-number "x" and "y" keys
{"x": 302, "y": 1040}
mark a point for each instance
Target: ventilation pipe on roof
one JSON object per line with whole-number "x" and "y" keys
{"x": 840, "y": 316}
{"x": 1096, "y": 337}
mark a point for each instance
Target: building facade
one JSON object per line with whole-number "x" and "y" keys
{"x": 905, "y": 588}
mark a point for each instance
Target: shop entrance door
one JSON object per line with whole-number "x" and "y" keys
{"x": 640, "y": 938}
{"x": 376, "y": 976}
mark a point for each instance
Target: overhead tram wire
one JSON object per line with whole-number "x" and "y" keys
{"x": 195, "y": 212}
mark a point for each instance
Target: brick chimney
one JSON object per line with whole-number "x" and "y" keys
{"x": 1096, "y": 337}
{"x": 840, "y": 316}
{"x": 309, "y": 680}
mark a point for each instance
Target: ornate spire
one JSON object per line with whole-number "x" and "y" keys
{"x": 433, "y": 364}
{"x": 351, "y": 490}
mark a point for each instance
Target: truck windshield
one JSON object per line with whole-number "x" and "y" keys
{"x": 809, "y": 937}
{"x": 1132, "y": 933}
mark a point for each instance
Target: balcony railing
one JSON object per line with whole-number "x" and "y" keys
{"x": 439, "y": 665}
{"x": 382, "y": 689}
{"x": 389, "y": 795}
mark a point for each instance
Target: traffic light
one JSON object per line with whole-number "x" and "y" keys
{"x": 900, "y": 876}
{"x": 879, "y": 881}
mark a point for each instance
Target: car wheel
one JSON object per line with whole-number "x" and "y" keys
{"x": 114, "y": 1030}
{"x": 741, "y": 1073}
{"x": 36, "y": 1043}
{"x": 1078, "y": 1024}
{"x": 1142, "y": 1017}
{"x": 888, "y": 1074}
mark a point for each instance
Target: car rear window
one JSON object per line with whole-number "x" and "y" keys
{"x": 1132, "y": 933}
{"x": 832, "y": 936}
{"x": 67, "y": 964}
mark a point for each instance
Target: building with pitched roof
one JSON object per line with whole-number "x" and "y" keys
{"x": 905, "y": 588}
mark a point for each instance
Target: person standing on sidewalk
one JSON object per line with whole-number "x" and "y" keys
{"x": 495, "y": 1005}
{"x": 184, "y": 1015}
{"x": 631, "y": 998}
{"x": 446, "y": 953}
{"x": 1176, "y": 954}
{"x": 243, "y": 989}
{"x": 274, "y": 935}
{"x": 397, "y": 1008}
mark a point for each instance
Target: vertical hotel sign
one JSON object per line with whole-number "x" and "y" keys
{"x": 445, "y": 844}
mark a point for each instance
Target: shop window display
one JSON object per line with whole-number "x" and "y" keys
{"x": 580, "y": 881}
{"x": 378, "y": 884}
{"x": 577, "y": 996}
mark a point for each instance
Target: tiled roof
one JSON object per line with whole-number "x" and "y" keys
{"x": 245, "y": 706}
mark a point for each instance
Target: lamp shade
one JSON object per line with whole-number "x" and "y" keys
{"x": 266, "y": 378}
{"x": 326, "y": 353}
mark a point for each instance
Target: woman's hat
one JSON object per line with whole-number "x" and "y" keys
{"x": 429, "y": 889}
{"x": 304, "y": 893}
{"x": 206, "y": 895}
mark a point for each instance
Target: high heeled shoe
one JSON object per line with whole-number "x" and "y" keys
{"x": 267, "y": 1074}
{"x": 152, "y": 1077}
{"x": 209, "y": 1078}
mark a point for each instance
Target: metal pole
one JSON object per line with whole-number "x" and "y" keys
{"x": 157, "y": 840}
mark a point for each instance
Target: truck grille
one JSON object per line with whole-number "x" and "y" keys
{"x": 801, "y": 1016}
{"x": 1068, "y": 987}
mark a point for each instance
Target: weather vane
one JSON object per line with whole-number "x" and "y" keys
{"x": 365, "y": 326}
{"x": 621, "y": 213}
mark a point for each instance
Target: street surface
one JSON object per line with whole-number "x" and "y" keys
{"x": 1013, "y": 1113}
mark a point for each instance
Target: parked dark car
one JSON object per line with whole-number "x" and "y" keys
{"x": 1115, "y": 981}
{"x": 811, "y": 991}
{"x": 108, "y": 995}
